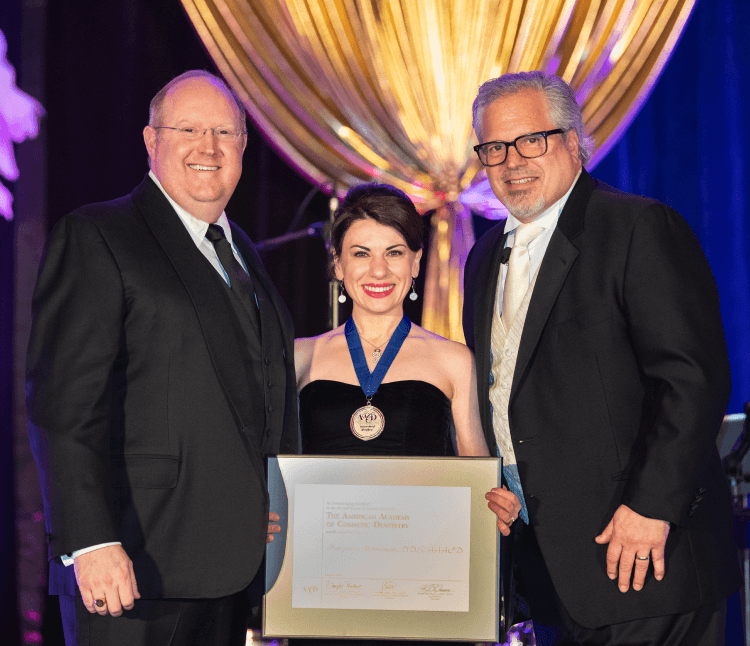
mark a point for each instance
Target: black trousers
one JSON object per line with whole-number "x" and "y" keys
{"x": 704, "y": 626}
{"x": 160, "y": 622}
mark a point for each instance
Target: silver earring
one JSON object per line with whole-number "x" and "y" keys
{"x": 413, "y": 296}
{"x": 342, "y": 295}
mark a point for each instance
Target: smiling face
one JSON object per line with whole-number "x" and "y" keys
{"x": 528, "y": 186}
{"x": 201, "y": 174}
{"x": 377, "y": 266}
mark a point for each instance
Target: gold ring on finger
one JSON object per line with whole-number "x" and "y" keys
{"x": 642, "y": 558}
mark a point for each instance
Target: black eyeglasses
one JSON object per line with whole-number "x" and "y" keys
{"x": 494, "y": 153}
{"x": 222, "y": 134}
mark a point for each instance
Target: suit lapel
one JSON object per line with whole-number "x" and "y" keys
{"x": 210, "y": 304}
{"x": 558, "y": 260}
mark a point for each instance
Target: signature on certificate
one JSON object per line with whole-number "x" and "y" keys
{"x": 433, "y": 549}
{"x": 434, "y": 588}
{"x": 343, "y": 585}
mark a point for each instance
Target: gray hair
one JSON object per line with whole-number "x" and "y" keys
{"x": 157, "y": 103}
{"x": 561, "y": 101}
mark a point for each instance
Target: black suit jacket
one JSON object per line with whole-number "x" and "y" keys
{"x": 142, "y": 418}
{"x": 620, "y": 386}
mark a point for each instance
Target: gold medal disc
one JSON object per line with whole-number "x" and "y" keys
{"x": 367, "y": 422}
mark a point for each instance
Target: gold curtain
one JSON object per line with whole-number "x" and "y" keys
{"x": 355, "y": 90}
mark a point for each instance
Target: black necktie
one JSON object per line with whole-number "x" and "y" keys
{"x": 239, "y": 280}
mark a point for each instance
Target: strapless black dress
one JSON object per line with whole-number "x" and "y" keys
{"x": 417, "y": 423}
{"x": 417, "y": 419}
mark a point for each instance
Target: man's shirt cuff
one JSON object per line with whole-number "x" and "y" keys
{"x": 68, "y": 559}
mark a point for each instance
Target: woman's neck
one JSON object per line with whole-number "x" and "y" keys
{"x": 377, "y": 329}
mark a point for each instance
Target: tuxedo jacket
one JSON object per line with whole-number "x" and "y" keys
{"x": 620, "y": 386}
{"x": 150, "y": 410}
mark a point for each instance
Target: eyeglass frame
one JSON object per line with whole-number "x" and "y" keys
{"x": 237, "y": 135}
{"x": 508, "y": 144}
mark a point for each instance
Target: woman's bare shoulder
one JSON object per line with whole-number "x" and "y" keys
{"x": 303, "y": 347}
{"x": 310, "y": 341}
{"x": 303, "y": 353}
{"x": 307, "y": 348}
{"x": 452, "y": 350}
{"x": 450, "y": 358}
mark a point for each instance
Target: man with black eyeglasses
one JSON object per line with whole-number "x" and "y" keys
{"x": 603, "y": 379}
{"x": 160, "y": 373}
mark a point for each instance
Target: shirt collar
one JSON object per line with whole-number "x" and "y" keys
{"x": 549, "y": 217}
{"x": 196, "y": 228}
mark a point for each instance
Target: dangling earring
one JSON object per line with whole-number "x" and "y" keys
{"x": 342, "y": 295}
{"x": 413, "y": 296}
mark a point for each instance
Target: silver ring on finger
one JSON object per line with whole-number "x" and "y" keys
{"x": 99, "y": 603}
{"x": 512, "y": 519}
{"x": 642, "y": 558}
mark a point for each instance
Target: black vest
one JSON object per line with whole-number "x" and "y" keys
{"x": 263, "y": 359}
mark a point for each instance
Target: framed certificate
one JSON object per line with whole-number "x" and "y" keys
{"x": 383, "y": 548}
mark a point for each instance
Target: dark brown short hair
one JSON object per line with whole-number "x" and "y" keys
{"x": 383, "y": 203}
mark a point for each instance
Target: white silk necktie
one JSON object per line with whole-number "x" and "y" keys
{"x": 517, "y": 278}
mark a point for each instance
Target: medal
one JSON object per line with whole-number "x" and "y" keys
{"x": 368, "y": 422}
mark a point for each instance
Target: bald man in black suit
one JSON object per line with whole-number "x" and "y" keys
{"x": 160, "y": 373}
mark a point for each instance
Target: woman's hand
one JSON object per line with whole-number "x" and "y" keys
{"x": 272, "y": 527}
{"x": 505, "y": 506}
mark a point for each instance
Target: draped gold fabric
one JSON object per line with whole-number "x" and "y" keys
{"x": 355, "y": 90}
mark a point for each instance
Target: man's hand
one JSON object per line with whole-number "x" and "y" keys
{"x": 630, "y": 536}
{"x": 106, "y": 575}
{"x": 272, "y": 529}
{"x": 506, "y": 507}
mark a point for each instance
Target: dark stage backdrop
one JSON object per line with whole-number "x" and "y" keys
{"x": 10, "y": 25}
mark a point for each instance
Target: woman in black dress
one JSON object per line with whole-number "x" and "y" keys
{"x": 376, "y": 242}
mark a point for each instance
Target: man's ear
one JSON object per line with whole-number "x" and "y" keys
{"x": 572, "y": 143}
{"x": 149, "y": 138}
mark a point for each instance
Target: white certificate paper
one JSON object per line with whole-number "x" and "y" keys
{"x": 379, "y": 547}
